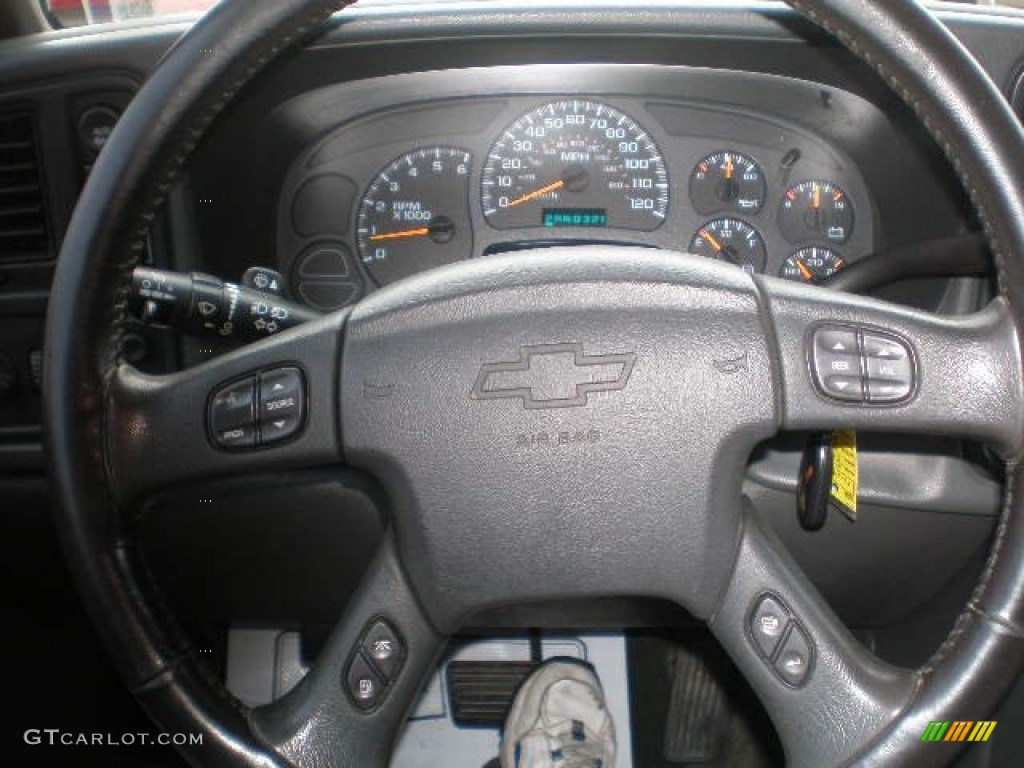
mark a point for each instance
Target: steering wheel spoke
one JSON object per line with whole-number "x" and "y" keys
{"x": 350, "y": 706}
{"x": 849, "y": 361}
{"x": 267, "y": 406}
{"x": 827, "y": 695}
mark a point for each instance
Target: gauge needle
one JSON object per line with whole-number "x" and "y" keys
{"x": 714, "y": 243}
{"x": 537, "y": 193}
{"x": 804, "y": 271}
{"x": 728, "y": 166}
{"x": 816, "y": 198}
{"x": 421, "y": 232}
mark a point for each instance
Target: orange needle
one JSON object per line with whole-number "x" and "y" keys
{"x": 816, "y": 199}
{"x": 728, "y": 166}
{"x": 714, "y": 243}
{"x": 423, "y": 232}
{"x": 537, "y": 193}
{"x": 807, "y": 274}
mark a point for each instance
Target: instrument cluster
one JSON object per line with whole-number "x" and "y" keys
{"x": 567, "y": 170}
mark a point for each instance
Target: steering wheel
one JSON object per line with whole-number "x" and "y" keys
{"x": 628, "y": 482}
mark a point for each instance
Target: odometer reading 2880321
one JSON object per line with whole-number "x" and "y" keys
{"x": 575, "y": 163}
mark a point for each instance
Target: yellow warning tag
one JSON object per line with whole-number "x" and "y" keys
{"x": 844, "y": 472}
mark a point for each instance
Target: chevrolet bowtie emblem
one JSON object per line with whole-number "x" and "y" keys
{"x": 553, "y": 376}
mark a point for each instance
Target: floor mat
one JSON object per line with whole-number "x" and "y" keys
{"x": 692, "y": 707}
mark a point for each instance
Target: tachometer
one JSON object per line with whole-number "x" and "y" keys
{"x": 415, "y": 215}
{"x": 575, "y": 163}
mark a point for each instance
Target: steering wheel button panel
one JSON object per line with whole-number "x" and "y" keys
{"x": 857, "y": 365}
{"x": 364, "y": 685}
{"x": 793, "y": 664}
{"x": 385, "y": 649}
{"x": 768, "y": 623}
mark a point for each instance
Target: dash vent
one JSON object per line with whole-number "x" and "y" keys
{"x": 24, "y": 228}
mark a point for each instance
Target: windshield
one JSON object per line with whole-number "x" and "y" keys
{"x": 73, "y": 13}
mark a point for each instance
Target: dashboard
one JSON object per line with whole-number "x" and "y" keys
{"x": 439, "y": 168}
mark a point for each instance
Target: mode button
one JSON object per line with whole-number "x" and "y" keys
{"x": 231, "y": 415}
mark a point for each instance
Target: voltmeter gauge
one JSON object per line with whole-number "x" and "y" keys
{"x": 727, "y": 181}
{"x": 733, "y": 241}
{"x": 415, "y": 215}
{"x": 812, "y": 265}
{"x": 816, "y": 210}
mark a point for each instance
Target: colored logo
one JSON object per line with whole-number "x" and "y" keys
{"x": 959, "y": 730}
{"x": 553, "y": 376}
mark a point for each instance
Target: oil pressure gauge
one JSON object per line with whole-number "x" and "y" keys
{"x": 725, "y": 181}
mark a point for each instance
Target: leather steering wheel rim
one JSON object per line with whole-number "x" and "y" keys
{"x": 85, "y": 417}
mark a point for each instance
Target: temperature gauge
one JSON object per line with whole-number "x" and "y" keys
{"x": 733, "y": 241}
{"x": 727, "y": 181}
{"x": 816, "y": 210}
{"x": 812, "y": 265}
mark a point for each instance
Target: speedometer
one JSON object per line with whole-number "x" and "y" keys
{"x": 575, "y": 163}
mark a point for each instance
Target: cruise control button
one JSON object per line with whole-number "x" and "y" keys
{"x": 364, "y": 685}
{"x": 767, "y": 625}
{"x": 384, "y": 647}
{"x": 794, "y": 661}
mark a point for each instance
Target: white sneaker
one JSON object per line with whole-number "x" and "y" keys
{"x": 559, "y": 720}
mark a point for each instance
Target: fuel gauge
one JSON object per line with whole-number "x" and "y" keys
{"x": 733, "y": 241}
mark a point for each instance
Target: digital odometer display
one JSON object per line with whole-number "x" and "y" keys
{"x": 574, "y": 217}
{"x": 575, "y": 156}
